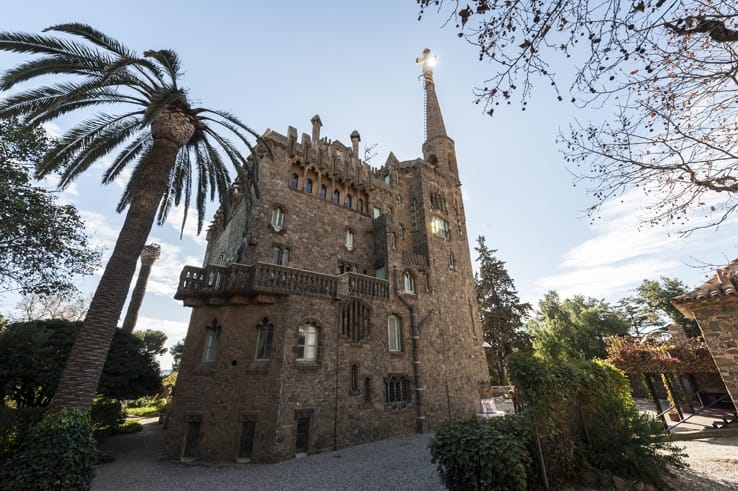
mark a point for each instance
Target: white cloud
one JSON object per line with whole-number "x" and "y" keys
{"x": 165, "y": 271}
{"x": 622, "y": 253}
{"x": 174, "y": 219}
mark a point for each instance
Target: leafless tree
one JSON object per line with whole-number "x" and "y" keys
{"x": 35, "y": 307}
{"x": 667, "y": 67}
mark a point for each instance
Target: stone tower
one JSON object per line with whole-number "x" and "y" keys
{"x": 336, "y": 303}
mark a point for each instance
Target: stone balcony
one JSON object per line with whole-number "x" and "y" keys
{"x": 216, "y": 284}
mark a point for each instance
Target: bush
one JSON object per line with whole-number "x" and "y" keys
{"x": 483, "y": 454}
{"x": 14, "y": 425}
{"x": 106, "y": 415}
{"x": 585, "y": 418}
{"x": 129, "y": 426}
{"x": 58, "y": 453}
{"x": 144, "y": 412}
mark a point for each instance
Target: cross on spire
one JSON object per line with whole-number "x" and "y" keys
{"x": 427, "y": 60}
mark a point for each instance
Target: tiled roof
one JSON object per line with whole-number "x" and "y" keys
{"x": 723, "y": 284}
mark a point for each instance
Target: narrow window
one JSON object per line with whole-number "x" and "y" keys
{"x": 285, "y": 257}
{"x": 323, "y": 191}
{"x": 277, "y": 218}
{"x": 264, "y": 335}
{"x": 336, "y": 197}
{"x": 309, "y": 186}
{"x": 349, "y": 239}
{"x": 354, "y": 379}
{"x": 210, "y": 348}
{"x": 294, "y": 180}
{"x": 280, "y": 256}
{"x": 409, "y": 282}
{"x": 376, "y": 212}
{"x": 367, "y": 390}
{"x": 451, "y": 260}
{"x": 414, "y": 211}
{"x": 360, "y": 205}
{"x": 393, "y": 241}
{"x": 307, "y": 343}
{"x": 246, "y": 445}
{"x": 393, "y": 331}
{"x": 347, "y": 201}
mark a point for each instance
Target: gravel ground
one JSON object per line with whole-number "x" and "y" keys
{"x": 396, "y": 464}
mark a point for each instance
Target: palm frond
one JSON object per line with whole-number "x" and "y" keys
{"x": 137, "y": 147}
{"x": 161, "y": 99}
{"x": 170, "y": 61}
{"x": 94, "y": 36}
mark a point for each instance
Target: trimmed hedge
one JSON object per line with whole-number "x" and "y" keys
{"x": 489, "y": 454}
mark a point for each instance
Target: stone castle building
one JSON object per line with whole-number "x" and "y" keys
{"x": 336, "y": 303}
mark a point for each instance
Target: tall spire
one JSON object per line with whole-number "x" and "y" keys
{"x": 434, "y": 126}
{"x": 438, "y": 149}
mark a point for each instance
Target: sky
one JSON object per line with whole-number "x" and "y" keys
{"x": 276, "y": 64}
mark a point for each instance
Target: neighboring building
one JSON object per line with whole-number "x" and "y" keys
{"x": 714, "y": 306}
{"x": 336, "y": 305}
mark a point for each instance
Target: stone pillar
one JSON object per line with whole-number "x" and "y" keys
{"x": 149, "y": 254}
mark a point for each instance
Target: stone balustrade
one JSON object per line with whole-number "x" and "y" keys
{"x": 243, "y": 279}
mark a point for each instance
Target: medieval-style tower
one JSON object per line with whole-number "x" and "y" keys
{"x": 336, "y": 305}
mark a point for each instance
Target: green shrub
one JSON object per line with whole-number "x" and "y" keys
{"x": 106, "y": 415}
{"x": 483, "y": 454}
{"x": 145, "y": 412}
{"x": 59, "y": 452}
{"x": 14, "y": 425}
{"x": 585, "y": 417}
{"x": 129, "y": 426}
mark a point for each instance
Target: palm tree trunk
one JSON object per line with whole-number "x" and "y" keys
{"x": 149, "y": 254}
{"x": 81, "y": 374}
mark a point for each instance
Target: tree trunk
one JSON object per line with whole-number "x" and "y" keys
{"x": 81, "y": 374}
{"x": 149, "y": 254}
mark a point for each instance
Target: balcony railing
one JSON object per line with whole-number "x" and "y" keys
{"x": 249, "y": 280}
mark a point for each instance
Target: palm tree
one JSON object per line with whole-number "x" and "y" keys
{"x": 167, "y": 142}
{"x": 149, "y": 254}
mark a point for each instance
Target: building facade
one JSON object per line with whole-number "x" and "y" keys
{"x": 336, "y": 303}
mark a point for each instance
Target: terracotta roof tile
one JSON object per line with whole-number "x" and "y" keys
{"x": 723, "y": 284}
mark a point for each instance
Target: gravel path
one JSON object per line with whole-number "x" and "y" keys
{"x": 396, "y": 464}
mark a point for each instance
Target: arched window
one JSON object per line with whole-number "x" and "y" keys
{"x": 336, "y": 197}
{"x": 210, "y": 347}
{"x": 323, "y": 191}
{"x": 294, "y": 180}
{"x": 394, "y": 333}
{"x": 360, "y": 205}
{"x": 307, "y": 343}
{"x": 277, "y": 218}
{"x": 265, "y": 331}
{"x": 347, "y": 201}
{"x": 309, "y": 186}
{"x": 409, "y": 282}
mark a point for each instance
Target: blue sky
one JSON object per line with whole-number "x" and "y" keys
{"x": 277, "y": 64}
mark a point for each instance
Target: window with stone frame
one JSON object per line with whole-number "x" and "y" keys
{"x": 355, "y": 320}
{"x": 309, "y": 186}
{"x": 346, "y": 267}
{"x": 451, "y": 260}
{"x": 323, "y": 191}
{"x": 347, "y": 201}
{"x": 394, "y": 333}
{"x": 277, "y": 218}
{"x": 308, "y": 338}
{"x": 294, "y": 181}
{"x": 337, "y": 197}
{"x": 397, "y": 390}
{"x": 360, "y": 205}
{"x": 210, "y": 346}
{"x": 280, "y": 255}
{"x": 349, "y": 239}
{"x": 439, "y": 227}
{"x": 408, "y": 281}
{"x": 264, "y": 334}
